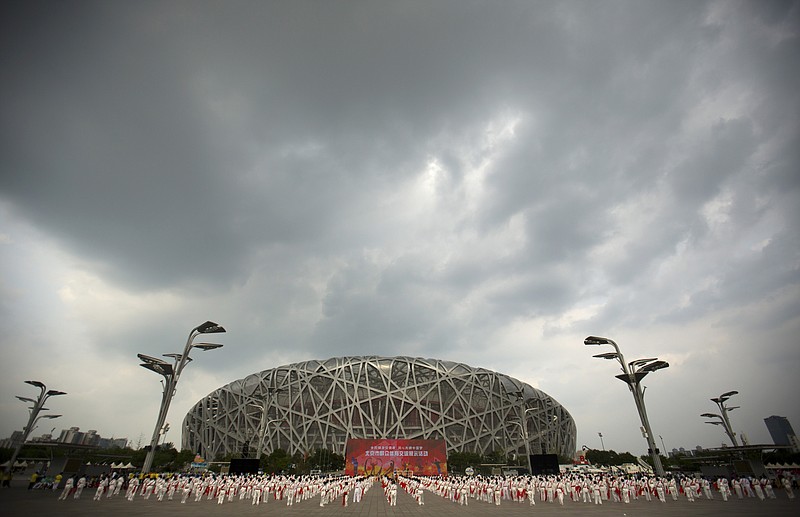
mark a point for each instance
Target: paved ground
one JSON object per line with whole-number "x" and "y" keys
{"x": 18, "y": 501}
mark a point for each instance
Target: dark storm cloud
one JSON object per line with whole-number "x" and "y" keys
{"x": 468, "y": 179}
{"x": 139, "y": 148}
{"x": 175, "y": 128}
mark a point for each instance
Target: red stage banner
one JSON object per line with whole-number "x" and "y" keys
{"x": 406, "y": 457}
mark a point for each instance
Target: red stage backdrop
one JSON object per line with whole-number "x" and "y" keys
{"x": 406, "y": 457}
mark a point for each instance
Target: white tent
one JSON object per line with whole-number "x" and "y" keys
{"x": 782, "y": 466}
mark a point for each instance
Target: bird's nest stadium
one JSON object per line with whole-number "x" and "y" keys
{"x": 320, "y": 404}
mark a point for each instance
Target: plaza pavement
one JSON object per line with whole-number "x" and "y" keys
{"x": 20, "y": 502}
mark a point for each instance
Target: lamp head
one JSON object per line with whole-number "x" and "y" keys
{"x": 656, "y": 365}
{"x": 607, "y": 355}
{"x": 50, "y": 416}
{"x": 53, "y": 393}
{"x": 710, "y": 415}
{"x": 177, "y": 357}
{"x": 729, "y": 394}
{"x": 25, "y": 399}
{"x": 164, "y": 369}
{"x": 151, "y": 360}
{"x": 209, "y": 327}
{"x": 714, "y": 423}
{"x": 639, "y": 362}
{"x": 38, "y": 384}
{"x": 595, "y": 340}
{"x": 207, "y": 346}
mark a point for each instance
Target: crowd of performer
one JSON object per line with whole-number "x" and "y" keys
{"x": 591, "y": 489}
{"x": 464, "y": 490}
{"x": 254, "y": 489}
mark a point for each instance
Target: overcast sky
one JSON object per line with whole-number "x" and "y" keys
{"x": 478, "y": 181}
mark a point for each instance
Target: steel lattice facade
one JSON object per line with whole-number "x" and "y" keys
{"x": 320, "y": 404}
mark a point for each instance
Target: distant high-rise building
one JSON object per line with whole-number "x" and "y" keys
{"x": 119, "y": 442}
{"x": 71, "y": 435}
{"x": 91, "y": 438}
{"x": 108, "y": 443}
{"x": 780, "y": 429}
{"x": 13, "y": 441}
{"x": 75, "y": 436}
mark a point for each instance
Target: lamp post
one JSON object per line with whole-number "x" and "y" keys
{"x": 524, "y": 424}
{"x": 527, "y": 446}
{"x": 601, "y": 441}
{"x": 264, "y": 425}
{"x": 268, "y": 423}
{"x": 632, "y": 375}
{"x": 171, "y": 374}
{"x": 163, "y": 433}
{"x": 723, "y": 409}
{"x": 553, "y": 422}
{"x": 713, "y": 422}
{"x": 33, "y": 417}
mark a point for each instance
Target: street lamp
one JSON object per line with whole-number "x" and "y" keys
{"x": 554, "y": 422}
{"x": 266, "y": 428}
{"x": 34, "y": 417}
{"x": 632, "y": 375}
{"x": 723, "y": 409}
{"x": 525, "y": 437}
{"x": 171, "y": 374}
{"x": 524, "y": 424}
{"x": 264, "y": 425}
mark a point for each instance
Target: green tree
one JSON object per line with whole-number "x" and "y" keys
{"x": 459, "y": 461}
{"x": 185, "y": 457}
{"x": 564, "y": 460}
{"x": 276, "y": 462}
{"x": 497, "y": 457}
{"x": 610, "y": 457}
{"x": 324, "y": 460}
